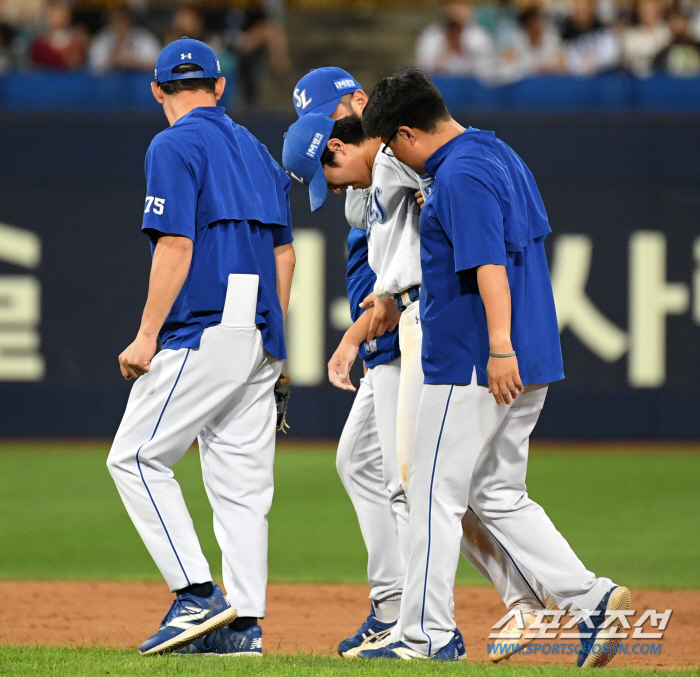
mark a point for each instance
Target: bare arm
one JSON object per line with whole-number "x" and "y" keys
{"x": 169, "y": 269}
{"x": 503, "y": 373}
{"x": 285, "y": 260}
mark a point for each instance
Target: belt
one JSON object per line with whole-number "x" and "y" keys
{"x": 405, "y": 298}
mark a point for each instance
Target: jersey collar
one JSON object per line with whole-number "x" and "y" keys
{"x": 204, "y": 112}
{"x": 432, "y": 164}
{"x": 208, "y": 111}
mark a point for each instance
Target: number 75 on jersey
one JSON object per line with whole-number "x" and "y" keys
{"x": 158, "y": 204}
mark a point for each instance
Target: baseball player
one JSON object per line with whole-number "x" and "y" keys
{"x": 366, "y": 458}
{"x": 217, "y": 215}
{"x": 367, "y": 448}
{"x": 382, "y": 202}
{"x": 488, "y": 318}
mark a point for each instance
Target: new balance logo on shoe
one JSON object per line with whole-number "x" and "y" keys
{"x": 256, "y": 643}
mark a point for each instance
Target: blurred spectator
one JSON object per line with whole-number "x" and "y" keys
{"x": 681, "y": 58}
{"x": 7, "y": 37}
{"x": 123, "y": 46}
{"x": 258, "y": 39}
{"x": 692, "y": 10}
{"x": 457, "y": 45}
{"x": 590, "y": 46}
{"x": 188, "y": 21}
{"x": 61, "y": 46}
{"x": 534, "y": 48}
{"x": 192, "y": 22}
{"x": 19, "y": 13}
{"x": 641, "y": 43}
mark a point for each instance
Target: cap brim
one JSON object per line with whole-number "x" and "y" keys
{"x": 318, "y": 189}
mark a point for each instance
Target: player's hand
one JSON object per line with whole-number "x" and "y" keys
{"x": 385, "y": 318}
{"x": 504, "y": 379}
{"x": 340, "y": 365}
{"x": 420, "y": 199}
{"x": 136, "y": 359}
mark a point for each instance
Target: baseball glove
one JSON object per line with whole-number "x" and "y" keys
{"x": 283, "y": 389}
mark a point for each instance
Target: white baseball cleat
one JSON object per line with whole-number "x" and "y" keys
{"x": 512, "y": 638}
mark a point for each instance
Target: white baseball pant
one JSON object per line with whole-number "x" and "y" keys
{"x": 470, "y": 452}
{"x": 222, "y": 395}
{"x": 366, "y": 463}
{"x": 478, "y": 545}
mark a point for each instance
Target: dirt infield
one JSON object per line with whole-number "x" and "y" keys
{"x": 300, "y": 617}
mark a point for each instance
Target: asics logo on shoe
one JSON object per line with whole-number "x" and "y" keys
{"x": 376, "y": 636}
{"x": 193, "y": 617}
{"x": 256, "y": 643}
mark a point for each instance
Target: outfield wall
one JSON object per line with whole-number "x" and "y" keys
{"x": 623, "y": 196}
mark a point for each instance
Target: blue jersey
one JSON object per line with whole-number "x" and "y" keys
{"x": 484, "y": 208}
{"x": 213, "y": 182}
{"x": 360, "y": 281}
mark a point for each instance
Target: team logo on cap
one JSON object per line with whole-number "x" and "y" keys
{"x": 300, "y": 99}
{"x": 340, "y": 85}
{"x": 315, "y": 144}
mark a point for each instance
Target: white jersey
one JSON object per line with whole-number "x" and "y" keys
{"x": 388, "y": 211}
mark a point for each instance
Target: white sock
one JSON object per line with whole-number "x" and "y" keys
{"x": 387, "y": 611}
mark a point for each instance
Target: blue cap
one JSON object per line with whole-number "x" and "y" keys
{"x": 304, "y": 144}
{"x": 186, "y": 50}
{"x": 321, "y": 90}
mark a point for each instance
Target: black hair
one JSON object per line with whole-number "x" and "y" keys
{"x": 348, "y": 130}
{"x": 408, "y": 98}
{"x": 528, "y": 15}
{"x": 189, "y": 84}
{"x": 346, "y": 100}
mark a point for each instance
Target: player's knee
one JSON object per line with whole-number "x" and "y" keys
{"x": 342, "y": 464}
{"x": 494, "y": 511}
{"x": 116, "y": 464}
{"x": 343, "y": 457}
{"x": 495, "y": 502}
{"x": 113, "y": 465}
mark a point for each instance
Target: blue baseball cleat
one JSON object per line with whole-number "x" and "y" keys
{"x": 189, "y": 617}
{"x": 600, "y": 648}
{"x": 371, "y": 632}
{"x": 227, "y": 642}
{"x": 453, "y": 651}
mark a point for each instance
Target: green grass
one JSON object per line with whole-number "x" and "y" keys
{"x": 26, "y": 661}
{"x": 630, "y": 516}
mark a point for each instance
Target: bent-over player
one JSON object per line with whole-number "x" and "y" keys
{"x": 488, "y": 318}
{"x": 349, "y": 158}
{"x": 217, "y": 214}
{"x": 367, "y": 439}
{"x": 366, "y": 458}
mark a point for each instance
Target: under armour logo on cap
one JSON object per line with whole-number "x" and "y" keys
{"x": 185, "y": 56}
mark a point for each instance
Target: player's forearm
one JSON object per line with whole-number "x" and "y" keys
{"x": 495, "y": 293}
{"x": 169, "y": 269}
{"x": 357, "y": 334}
{"x": 285, "y": 260}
